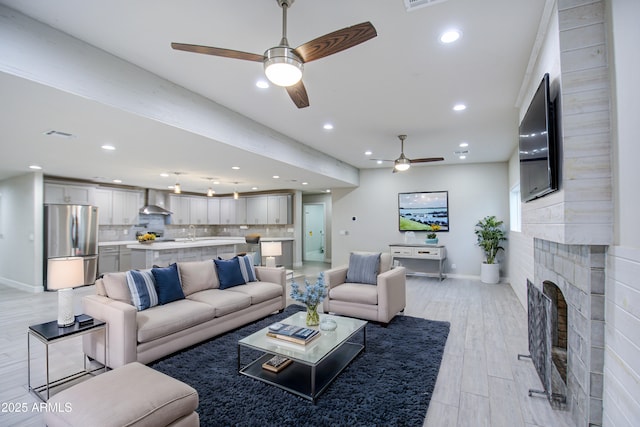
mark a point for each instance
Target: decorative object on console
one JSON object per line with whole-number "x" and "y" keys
{"x": 271, "y": 250}
{"x": 490, "y": 234}
{"x": 63, "y": 275}
{"x": 311, "y": 297}
{"x": 431, "y": 235}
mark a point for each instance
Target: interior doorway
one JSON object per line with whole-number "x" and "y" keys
{"x": 313, "y": 239}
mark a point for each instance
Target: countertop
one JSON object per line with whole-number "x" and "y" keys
{"x": 188, "y": 243}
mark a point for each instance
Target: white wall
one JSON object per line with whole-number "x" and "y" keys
{"x": 622, "y": 293}
{"x": 21, "y": 232}
{"x": 475, "y": 191}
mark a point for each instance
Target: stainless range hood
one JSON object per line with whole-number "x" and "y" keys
{"x": 153, "y": 202}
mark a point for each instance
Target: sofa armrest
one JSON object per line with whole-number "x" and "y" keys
{"x": 274, "y": 275}
{"x": 392, "y": 293}
{"x": 122, "y": 331}
{"x": 335, "y": 276}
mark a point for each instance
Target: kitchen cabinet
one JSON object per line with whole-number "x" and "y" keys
{"x": 124, "y": 258}
{"x": 257, "y": 210}
{"x": 68, "y": 194}
{"x": 213, "y": 211}
{"x": 117, "y": 207}
{"x": 180, "y": 206}
{"x": 279, "y": 209}
{"x": 198, "y": 210}
{"x": 233, "y": 211}
{"x": 241, "y": 210}
{"x": 108, "y": 259}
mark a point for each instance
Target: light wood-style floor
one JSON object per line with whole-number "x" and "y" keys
{"x": 481, "y": 381}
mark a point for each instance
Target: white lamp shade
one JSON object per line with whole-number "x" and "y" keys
{"x": 271, "y": 248}
{"x": 63, "y": 273}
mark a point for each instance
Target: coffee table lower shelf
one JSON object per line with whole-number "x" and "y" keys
{"x": 307, "y": 381}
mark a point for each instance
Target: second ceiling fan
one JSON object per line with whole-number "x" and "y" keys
{"x": 403, "y": 163}
{"x": 283, "y": 65}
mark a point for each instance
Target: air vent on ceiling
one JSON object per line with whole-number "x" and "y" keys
{"x": 412, "y": 5}
{"x": 59, "y": 134}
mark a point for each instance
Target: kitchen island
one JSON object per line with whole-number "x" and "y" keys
{"x": 163, "y": 253}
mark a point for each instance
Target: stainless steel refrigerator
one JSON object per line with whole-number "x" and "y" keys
{"x": 72, "y": 230}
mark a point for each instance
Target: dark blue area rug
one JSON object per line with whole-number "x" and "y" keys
{"x": 389, "y": 384}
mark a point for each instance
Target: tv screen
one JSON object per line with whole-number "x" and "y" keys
{"x": 417, "y": 211}
{"x": 537, "y": 146}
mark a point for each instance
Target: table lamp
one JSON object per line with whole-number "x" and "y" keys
{"x": 271, "y": 250}
{"x": 63, "y": 274}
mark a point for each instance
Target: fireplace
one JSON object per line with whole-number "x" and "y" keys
{"x": 566, "y": 301}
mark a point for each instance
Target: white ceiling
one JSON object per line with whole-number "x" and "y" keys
{"x": 403, "y": 81}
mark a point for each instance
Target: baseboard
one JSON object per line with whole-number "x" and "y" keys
{"x": 21, "y": 286}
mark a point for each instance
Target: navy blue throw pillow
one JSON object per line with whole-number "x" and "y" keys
{"x": 168, "y": 284}
{"x": 229, "y": 272}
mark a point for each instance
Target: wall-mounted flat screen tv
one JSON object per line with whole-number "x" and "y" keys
{"x": 538, "y": 146}
{"x": 419, "y": 210}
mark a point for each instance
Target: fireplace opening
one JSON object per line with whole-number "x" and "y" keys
{"x": 559, "y": 328}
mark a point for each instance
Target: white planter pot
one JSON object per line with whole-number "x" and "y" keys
{"x": 490, "y": 273}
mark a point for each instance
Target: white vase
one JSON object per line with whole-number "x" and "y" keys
{"x": 490, "y": 273}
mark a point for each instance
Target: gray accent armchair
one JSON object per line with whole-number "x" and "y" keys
{"x": 378, "y": 303}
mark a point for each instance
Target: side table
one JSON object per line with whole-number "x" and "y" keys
{"x": 49, "y": 333}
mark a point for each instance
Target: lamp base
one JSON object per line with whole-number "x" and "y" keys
{"x": 270, "y": 261}
{"x": 65, "y": 308}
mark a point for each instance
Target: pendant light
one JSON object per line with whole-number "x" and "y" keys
{"x": 210, "y": 191}
{"x": 176, "y": 188}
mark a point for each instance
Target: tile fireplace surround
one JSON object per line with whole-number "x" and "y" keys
{"x": 578, "y": 271}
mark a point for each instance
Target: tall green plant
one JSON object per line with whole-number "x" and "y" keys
{"x": 490, "y": 233}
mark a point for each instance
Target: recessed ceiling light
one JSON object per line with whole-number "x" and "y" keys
{"x": 459, "y": 107}
{"x": 450, "y": 36}
{"x": 276, "y": 176}
{"x": 305, "y": 183}
{"x": 463, "y": 157}
{"x": 254, "y": 188}
{"x": 164, "y": 174}
{"x": 368, "y": 153}
{"x": 379, "y": 162}
{"x": 170, "y": 187}
{"x": 262, "y": 84}
{"x": 328, "y": 190}
{"x": 464, "y": 144}
{"x": 35, "y": 167}
{"x": 327, "y": 126}
{"x": 117, "y": 181}
{"x": 235, "y": 168}
{"x": 216, "y": 182}
{"x": 108, "y": 147}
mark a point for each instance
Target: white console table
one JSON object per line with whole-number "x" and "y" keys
{"x": 420, "y": 251}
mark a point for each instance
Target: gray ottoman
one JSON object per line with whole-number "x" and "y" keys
{"x": 132, "y": 395}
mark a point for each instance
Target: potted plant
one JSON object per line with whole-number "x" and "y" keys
{"x": 431, "y": 235}
{"x": 490, "y": 234}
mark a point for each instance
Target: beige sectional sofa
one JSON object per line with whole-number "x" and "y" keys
{"x": 205, "y": 312}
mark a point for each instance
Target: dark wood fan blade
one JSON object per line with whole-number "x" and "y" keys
{"x": 217, "y": 51}
{"x": 427, "y": 159}
{"x": 336, "y": 42}
{"x": 298, "y": 94}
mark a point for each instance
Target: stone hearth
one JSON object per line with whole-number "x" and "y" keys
{"x": 578, "y": 273}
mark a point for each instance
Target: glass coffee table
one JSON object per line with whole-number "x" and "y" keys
{"x": 315, "y": 365}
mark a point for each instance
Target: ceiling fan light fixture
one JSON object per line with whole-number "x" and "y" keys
{"x": 282, "y": 66}
{"x": 402, "y": 164}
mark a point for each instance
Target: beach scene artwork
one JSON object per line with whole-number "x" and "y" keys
{"x": 419, "y": 210}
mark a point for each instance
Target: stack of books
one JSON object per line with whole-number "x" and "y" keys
{"x": 276, "y": 364}
{"x": 291, "y": 333}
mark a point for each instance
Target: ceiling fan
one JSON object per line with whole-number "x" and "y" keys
{"x": 403, "y": 163}
{"x": 283, "y": 65}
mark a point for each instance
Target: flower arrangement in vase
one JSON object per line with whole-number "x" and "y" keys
{"x": 311, "y": 296}
{"x": 431, "y": 235}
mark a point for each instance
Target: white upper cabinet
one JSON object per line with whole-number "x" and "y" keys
{"x": 257, "y": 210}
{"x": 69, "y": 194}
{"x": 180, "y": 207}
{"x": 117, "y": 207}
{"x": 227, "y": 210}
{"x": 279, "y": 209}
{"x": 104, "y": 202}
{"x": 213, "y": 211}
{"x": 241, "y": 210}
{"x": 198, "y": 210}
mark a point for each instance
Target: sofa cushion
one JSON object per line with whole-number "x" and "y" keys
{"x": 143, "y": 289}
{"x": 355, "y": 292}
{"x": 115, "y": 284}
{"x": 163, "y": 320}
{"x": 222, "y": 301}
{"x": 168, "y": 284}
{"x": 197, "y": 276}
{"x": 259, "y": 291}
{"x": 363, "y": 268}
{"x": 229, "y": 272}
{"x": 246, "y": 268}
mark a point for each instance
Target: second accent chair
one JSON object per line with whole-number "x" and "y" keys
{"x": 367, "y": 288}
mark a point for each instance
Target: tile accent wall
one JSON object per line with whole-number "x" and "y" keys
{"x": 579, "y": 272}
